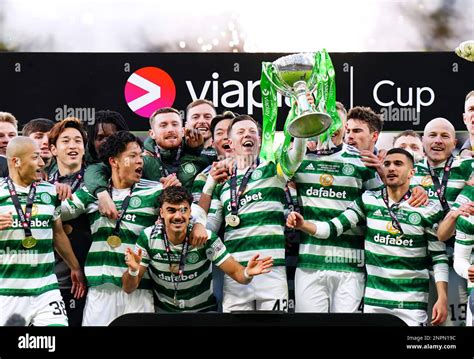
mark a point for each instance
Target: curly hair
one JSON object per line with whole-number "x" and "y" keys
{"x": 175, "y": 195}
{"x": 365, "y": 114}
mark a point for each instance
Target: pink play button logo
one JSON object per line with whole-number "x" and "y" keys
{"x": 149, "y": 89}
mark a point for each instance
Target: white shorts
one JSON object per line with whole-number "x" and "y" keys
{"x": 106, "y": 302}
{"x": 267, "y": 291}
{"x": 327, "y": 291}
{"x": 412, "y": 317}
{"x": 46, "y": 309}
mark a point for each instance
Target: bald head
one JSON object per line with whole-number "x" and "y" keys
{"x": 19, "y": 146}
{"x": 440, "y": 124}
{"x": 439, "y": 140}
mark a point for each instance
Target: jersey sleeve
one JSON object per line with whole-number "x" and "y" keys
{"x": 143, "y": 244}
{"x": 346, "y": 220}
{"x": 216, "y": 250}
{"x": 79, "y": 204}
{"x": 436, "y": 248}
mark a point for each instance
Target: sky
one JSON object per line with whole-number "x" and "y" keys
{"x": 208, "y": 25}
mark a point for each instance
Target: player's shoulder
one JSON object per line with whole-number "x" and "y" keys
{"x": 145, "y": 184}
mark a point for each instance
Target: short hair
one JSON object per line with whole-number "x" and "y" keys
{"x": 200, "y": 102}
{"x": 340, "y": 107}
{"x": 241, "y": 118}
{"x": 175, "y": 195}
{"x": 469, "y": 94}
{"x": 227, "y": 115}
{"x": 8, "y": 117}
{"x": 161, "y": 111}
{"x": 69, "y": 122}
{"x": 116, "y": 144}
{"x": 366, "y": 114}
{"x": 403, "y": 152}
{"x": 37, "y": 125}
{"x": 406, "y": 133}
{"x": 100, "y": 117}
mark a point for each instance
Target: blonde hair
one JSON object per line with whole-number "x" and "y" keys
{"x": 8, "y": 117}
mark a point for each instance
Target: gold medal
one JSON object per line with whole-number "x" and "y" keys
{"x": 29, "y": 242}
{"x": 232, "y": 220}
{"x": 114, "y": 241}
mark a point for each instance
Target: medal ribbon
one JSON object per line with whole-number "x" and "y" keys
{"x": 234, "y": 195}
{"x": 182, "y": 261}
{"x": 395, "y": 221}
{"x": 441, "y": 187}
{"x": 175, "y": 162}
{"x": 75, "y": 184}
{"x": 25, "y": 217}
{"x": 125, "y": 203}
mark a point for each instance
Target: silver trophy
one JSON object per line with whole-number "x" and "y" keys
{"x": 295, "y": 77}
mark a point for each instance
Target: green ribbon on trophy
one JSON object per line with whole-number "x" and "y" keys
{"x": 294, "y": 76}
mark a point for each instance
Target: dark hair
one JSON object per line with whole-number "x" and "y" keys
{"x": 101, "y": 117}
{"x": 37, "y": 125}
{"x": 116, "y": 144}
{"x": 406, "y": 133}
{"x": 243, "y": 118}
{"x": 367, "y": 115}
{"x": 163, "y": 110}
{"x": 402, "y": 152}
{"x": 227, "y": 115}
{"x": 59, "y": 127}
{"x": 175, "y": 195}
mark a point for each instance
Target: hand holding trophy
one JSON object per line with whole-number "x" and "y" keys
{"x": 294, "y": 76}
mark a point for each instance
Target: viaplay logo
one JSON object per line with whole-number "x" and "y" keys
{"x": 149, "y": 89}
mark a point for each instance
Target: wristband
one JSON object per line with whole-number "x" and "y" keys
{"x": 246, "y": 275}
{"x": 209, "y": 186}
{"x": 133, "y": 273}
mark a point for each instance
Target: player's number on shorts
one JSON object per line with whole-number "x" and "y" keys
{"x": 281, "y": 304}
{"x": 58, "y": 307}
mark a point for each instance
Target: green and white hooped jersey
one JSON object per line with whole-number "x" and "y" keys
{"x": 261, "y": 213}
{"x": 464, "y": 245}
{"x": 397, "y": 267}
{"x": 28, "y": 272}
{"x": 327, "y": 184}
{"x": 199, "y": 183}
{"x": 105, "y": 264}
{"x": 461, "y": 170}
{"x": 195, "y": 287}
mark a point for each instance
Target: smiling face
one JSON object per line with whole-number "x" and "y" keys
{"x": 468, "y": 115}
{"x": 221, "y": 139}
{"x": 397, "y": 169}
{"x": 176, "y": 217}
{"x": 128, "y": 165}
{"x": 69, "y": 148}
{"x": 167, "y": 130}
{"x": 244, "y": 138}
{"x": 439, "y": 140}
{"x": 199, "y": 117}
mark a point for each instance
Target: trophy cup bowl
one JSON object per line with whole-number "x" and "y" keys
{"x": 295, "y": 79}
